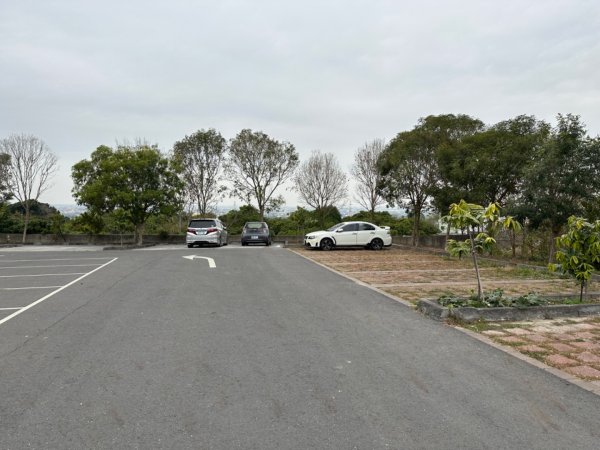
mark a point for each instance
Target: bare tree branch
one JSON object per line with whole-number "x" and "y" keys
{"x": 320, "y": 181}
{"x": 367, "y": 176}
{"x": 32, "y": 164}
{"x": 201, "y": 158}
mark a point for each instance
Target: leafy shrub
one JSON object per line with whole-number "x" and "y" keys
{"x": 494, "y": 299}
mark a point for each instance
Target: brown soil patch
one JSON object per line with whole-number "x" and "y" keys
{"x": 412, "y": 275}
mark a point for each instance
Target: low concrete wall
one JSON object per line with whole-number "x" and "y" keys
{"x": 85, "y": 239}
{"x": 116, "y": 239}
{"x": 434, "y": 310}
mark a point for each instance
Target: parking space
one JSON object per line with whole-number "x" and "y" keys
{"x": 27, "y": 278}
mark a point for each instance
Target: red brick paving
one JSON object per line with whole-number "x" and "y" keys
{"x": 560, "y": 347}
{"x": 532, "y": 349}
{"x": 561, "y": 361}
{"x": 588, "y": 357}
{"x": 584, "y": 372}
{"x": 562, "y": 342}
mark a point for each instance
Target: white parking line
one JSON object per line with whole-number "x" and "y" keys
{"x": 10, "y": 309}
{"x": 56, "y": 265}
{"x": 54, "y": 259}
{"x": 42, "y": 275}
{"x": 31, "y": 287}
{"x": 45, "y": 297}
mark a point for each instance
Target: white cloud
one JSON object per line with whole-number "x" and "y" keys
{"x": 322, "y": 75}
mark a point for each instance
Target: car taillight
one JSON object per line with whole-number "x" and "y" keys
{"x": 212, "y": 230}
{"x": 191, "y": 231}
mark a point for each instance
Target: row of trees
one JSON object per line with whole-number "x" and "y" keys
{"x": 540, "y": 174}
{"x": 537, "y": 173}
{"x": 139, "y": 182}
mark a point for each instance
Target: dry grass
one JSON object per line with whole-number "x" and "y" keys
{"x": 412, "y": 275}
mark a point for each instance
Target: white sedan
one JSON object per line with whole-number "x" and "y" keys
{"x": 350, "y": 234}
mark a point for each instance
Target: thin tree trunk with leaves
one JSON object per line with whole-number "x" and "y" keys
{"x": 475, "y": 263}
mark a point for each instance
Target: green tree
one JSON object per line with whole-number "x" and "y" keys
{"x": 89, "y": 222}
{"x": 578, "y": 252}
{"x": 257, "y": 166}
{"x": 138, "y": 180}
{"x": 409, "y": 173}
{"x": 200, "y": 156}
{"x": 513, "y": 227}
{"x": 236, "y": 218}
{"x": 472, "y": 217}
{"x": 410, "y": 176}
{"x": 489, "y": 165}
{"x": 564, "y": 175}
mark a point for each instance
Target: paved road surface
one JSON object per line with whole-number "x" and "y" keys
{"x": 265, "y": 351}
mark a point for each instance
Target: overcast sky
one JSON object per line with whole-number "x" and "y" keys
{"x": 323, "y": 75}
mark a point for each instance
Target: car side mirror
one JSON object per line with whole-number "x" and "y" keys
{"x": 339, "y": 230}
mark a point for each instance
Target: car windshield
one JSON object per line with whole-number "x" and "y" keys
{"x": 255, "y": 225}
{"x": 202, "y": 223}
{"x": 336, "y": 226}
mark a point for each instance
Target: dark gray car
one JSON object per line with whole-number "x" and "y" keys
{"x": 256, "y": 233}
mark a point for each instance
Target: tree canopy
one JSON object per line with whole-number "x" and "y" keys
{"x": 409, "y": 166}
{"x": 488, "y": 166}
{"x": 321, "y": 183}
{"x": 563, "y": 176}
{"x": 200, "y": 156}
{"x": 367, "y": 176}
{"x": 137, "y": 180}
{"x": 257, "y": 166}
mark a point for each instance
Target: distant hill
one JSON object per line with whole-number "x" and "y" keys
{"x": 36, "y": 209}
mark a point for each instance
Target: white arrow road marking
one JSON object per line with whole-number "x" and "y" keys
{"x": 211, "y": 262}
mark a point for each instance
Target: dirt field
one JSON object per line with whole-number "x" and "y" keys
{"x": 412, "y": 275}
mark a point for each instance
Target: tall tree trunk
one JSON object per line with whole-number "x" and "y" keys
{"x": 416, "y": 223}
{"x": 523, "y": 241}
{"x": 513, "y": 243}
{"x": 474, "y": 255}
{"x": 581, "y": 290}
{"x": 139, "y": 234}
{"x": 26, "y": 220}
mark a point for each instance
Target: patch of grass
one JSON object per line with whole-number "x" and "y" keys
{"x": 530, "y": 273}
{"x": 478, "y": 327}
{"x": 540, "y": 356}
{"x": 510, "y": 344}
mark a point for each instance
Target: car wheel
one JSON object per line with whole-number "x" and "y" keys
{"x": 376, "y": 244}
{"x": 190, "y": 245}
{"x": 326, "y": 244}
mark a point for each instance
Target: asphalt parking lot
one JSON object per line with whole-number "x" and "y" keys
{"x": 160, "y": 348}
{"x": 26, "y": 281}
